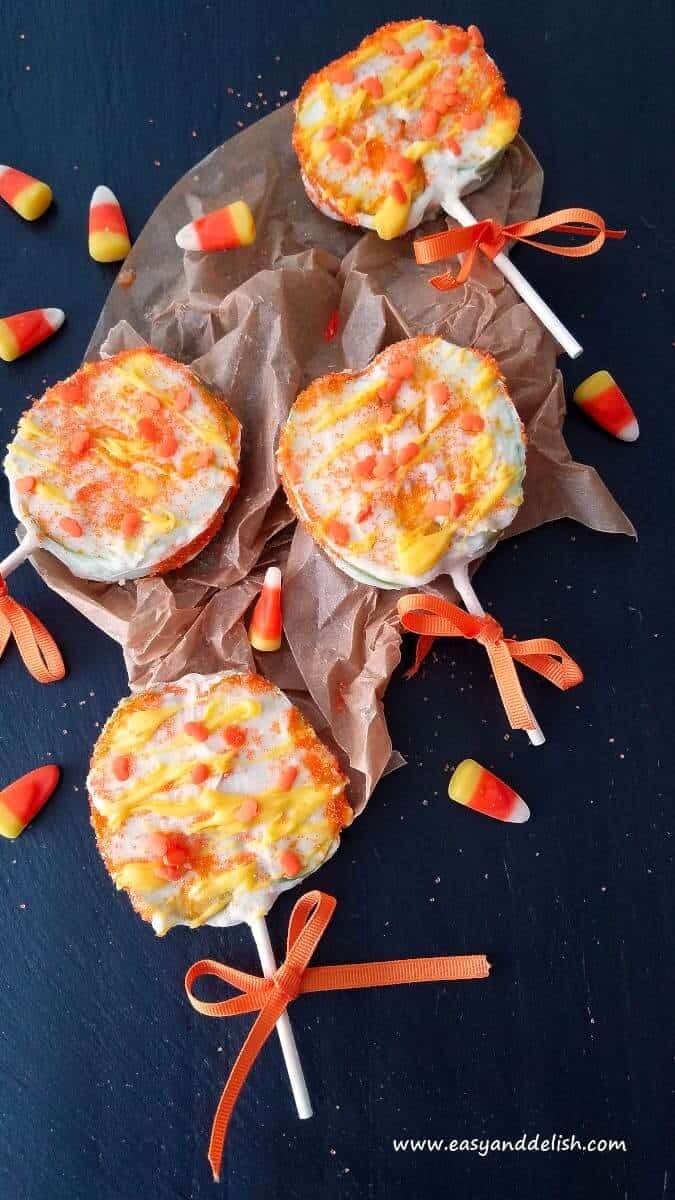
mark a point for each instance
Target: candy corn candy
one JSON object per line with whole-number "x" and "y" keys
{"x": 23, "y": 331}
{"x": 29, "y": 197}
{"x": 265, "y": 629}
{"x": 108, "y": 233}
{"x": 223, "y": 229}
{"x": 604, "y": 402}
{"x": 478, "y": 788}
{"x": 23, "y": 799}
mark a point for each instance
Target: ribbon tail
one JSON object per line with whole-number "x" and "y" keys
{"x": 518, "y": 711}
{"x": 258, "y": 1035}
{"x": 40, "y": 654}
{"x": 5, "y": 633}
{"x": 424, "y": 644}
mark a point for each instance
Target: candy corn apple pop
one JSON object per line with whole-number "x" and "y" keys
{"x": 210, "y": 797}
{"x": 224, "y": 229}
{"x": 477, "y": 788}
{"x": 414, "y": 118}
{"x": 125, "y": 469}
{"x": 29, "y": 197}
{"x": 408, "y": 469}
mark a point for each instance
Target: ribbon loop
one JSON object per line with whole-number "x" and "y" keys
{"x": 40, "y": 654}
{"x": 309, "y": 921}
{"x": 431, "y": 617}
{"x": 490, "y": 237}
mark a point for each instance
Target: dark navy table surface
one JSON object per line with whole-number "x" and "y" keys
{"x": 108, "y": 1080}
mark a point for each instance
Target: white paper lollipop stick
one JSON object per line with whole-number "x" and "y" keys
{"x": 22, "y": 552}
{"x": 454, "y": 207}
{"x": 460, "y": 578}
{"x": 288, "y": 1046}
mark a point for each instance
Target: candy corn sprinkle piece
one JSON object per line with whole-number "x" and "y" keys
{"x": 29, "y": 197}
{"x": 24, "y": 331}
{"x": 603, "y": 401}
{"x": 477, "y": 788}
{"x": 108, "y": 233}
{"x": 266, "y": 623}
{"x": 224, "y": 229}
{"x": 23, "y": 799}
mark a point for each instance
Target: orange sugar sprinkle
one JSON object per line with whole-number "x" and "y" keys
{"x": 71, "y": 526}
{"x": 407, "y": 453}
{"x": 364, "y": 513}
{"x": 248, "y": 809}
{"x": 384, "y": 466}
{"x": 131, "y": 522}
{"x": 440, "y": 393}
{"x": 388, "y": 391}
{"x": 401, "y": 368}
{"x": 363, "y": 468}
{"x": 25, "y": 485}
{"x": 286, "y": 777}
{"x": 471, "y": 422}
{"x": 80, "y": 441}
{"x": 199, "y": 773}
{"x": 290, "y": 864}
{"x": 196, "y": 730}
{"x": 121, "y": 767}
{"x": 373, "y": 86}
{"x": 338, "y": 532}
{"x": 234, "y": 736}
{"x": 182, "y": 399}
{"x": 148, "y": 429}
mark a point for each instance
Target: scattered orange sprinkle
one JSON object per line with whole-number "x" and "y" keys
{"x": 472, "y": 120}
{"x": 437, "y": 508}
{"x": 248, "y": 809}
{"x": 196, "y": 730}
{"x": 332, "y": 326}
{"x": 429, "y": 122}
{"x": 363, "y": 468}
{"x": 168, "y": 444}
{"x": 340, "y": 151}
{"x": 407, "y": 453}
{"x": 398, "y": 192}
{"x": 131, "y": 522}
{"x": 439, "y": 393}
{"x": 234, "y": 736}
{"x": 148, "y": 430}
{"x": 121, "y": 767}
{"x": 340, "y": 74}
{"x": 204, "y": 457}
{"x": 25, "y": 485}
{"x": 411, "y": 58}
{"x": 126, "y": 277}
{"x": 328, "y": 133}
{"x": 199, "y": 773}
{"x": 175, "y": 856}
{"x": 71, "y": 526}
{"x": 388, "y": 391}
{"x": 80, "y": 441}
{"x": 286, "y": 778}
{"x": 182, "y": 399}
{"x": 384, "y": 466}
{"x": 373, "y": 86}
{"x": 337, "y": 532}
{"x": 290, "y": 863}
{"x": 401, "y": 368}
{"x": 471, "y": 422}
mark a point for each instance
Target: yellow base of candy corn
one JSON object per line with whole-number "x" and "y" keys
{"x": 262, "y": 643}
{"x": 108, "y": 247}
{"x": 9, "y": 347}
{"x": 10, "y": 826}
{"x": 242, "y": 219}
{"x": 33, "y": 201}
{"x": 463, "y": 783}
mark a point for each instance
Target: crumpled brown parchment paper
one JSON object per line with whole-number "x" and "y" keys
{"x": 251, "y": 324}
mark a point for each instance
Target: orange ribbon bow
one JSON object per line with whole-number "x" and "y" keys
{"x": 35, "y": 644}
{"x": 491, "y": 237}
{"x": 308, "y": 923}
{"x": 431, "y": 617}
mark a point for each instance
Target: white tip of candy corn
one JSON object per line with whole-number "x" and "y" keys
{"x": 630, "y": 432}
{"x": 519, "y": 814}
{"x": 188, "y": 238}
{"x": 103, "y": 195}
{"x": 272, "y": 578}
{"x": 54, "y": 317}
